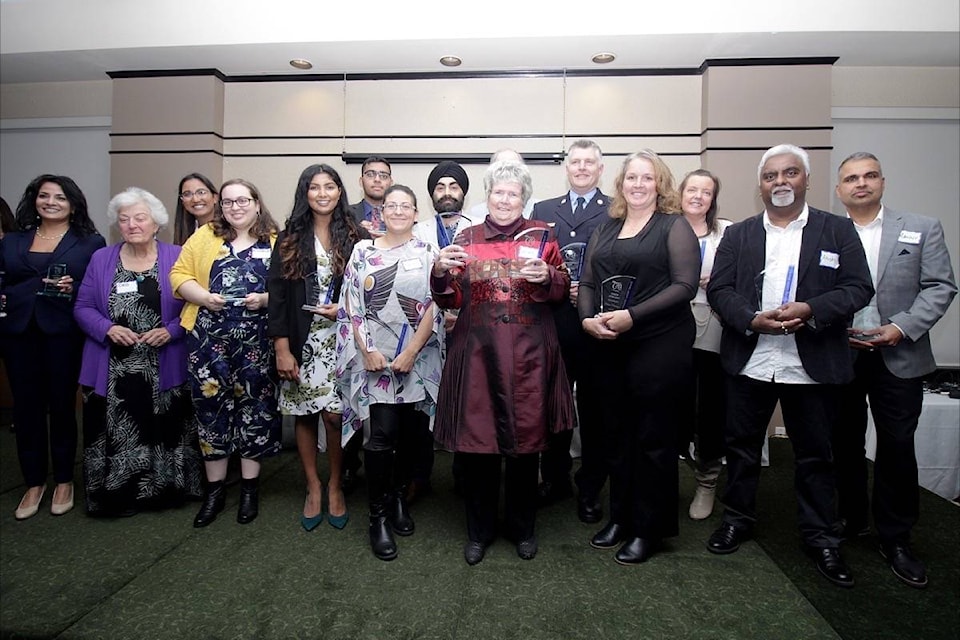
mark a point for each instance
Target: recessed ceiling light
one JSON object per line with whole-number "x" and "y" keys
{"x": 604, "y": 58}
{"x": 300, "y": 63}
{"x": 450, "y": 61}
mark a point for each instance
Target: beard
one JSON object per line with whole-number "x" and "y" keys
{"x": 448, "y": 204}
{"x": 783, "y": 199}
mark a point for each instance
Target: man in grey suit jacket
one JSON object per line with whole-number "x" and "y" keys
{"x": 890, "y": 344}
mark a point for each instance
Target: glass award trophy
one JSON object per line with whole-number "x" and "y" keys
{"x": 50, "y": 287}
{"x": 377, "y": 221}
{"x": 530, "y": 244}
{"x": 615, "y": 293}
{"x": 234, "y": 292}
{"x": 573, "y": 255}
{"x": 316, "y": 294}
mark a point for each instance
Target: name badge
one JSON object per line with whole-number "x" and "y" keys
{"x": 829, "y": 259}
{"x": 127, "y": 287}
{"x": 909, "y": 237}
{"x": 411, "y": 264}
{"x": 527, "y": 253}
{"x": 260, "y": 254}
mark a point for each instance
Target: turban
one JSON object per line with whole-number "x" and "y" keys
{"x": 448, "y": 169}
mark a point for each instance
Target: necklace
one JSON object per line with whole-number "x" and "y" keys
{"x": 56, "y": 237}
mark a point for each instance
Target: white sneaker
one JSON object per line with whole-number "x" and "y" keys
{"x": 702, "y": 504}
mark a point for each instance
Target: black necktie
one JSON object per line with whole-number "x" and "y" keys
{"x": 581, "y": 201}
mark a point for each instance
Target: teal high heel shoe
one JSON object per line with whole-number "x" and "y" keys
{"x": 338, "y": 522}
{"x": 312, "y": 522}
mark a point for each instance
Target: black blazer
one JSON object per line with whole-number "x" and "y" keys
{"x": 21, "y": 282}
{"x": 285, "y": 316}
{"x": 356, "y": 210}
{"x": 834, "y": 294}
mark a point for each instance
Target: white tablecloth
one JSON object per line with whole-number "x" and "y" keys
{"x": 938, "y": 444}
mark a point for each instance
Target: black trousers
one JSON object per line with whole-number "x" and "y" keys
{"x": 809, "y": 413}
{"x": 896, "y": 404}
{"x": 481, "y": 493}
{"x": 703, "y": 410}
{"x": 394, "y": 428}
{"x": 43, "y": 371}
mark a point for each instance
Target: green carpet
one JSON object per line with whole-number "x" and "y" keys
{"x": 154, "y": 576}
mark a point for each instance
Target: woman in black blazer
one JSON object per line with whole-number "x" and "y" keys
{"x": 43, "y": 266}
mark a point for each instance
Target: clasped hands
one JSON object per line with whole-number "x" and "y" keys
{"x": 608, "y": 325}
{"x": 784, "y": 320}
{"x": 252, "y": 301}
{"x": 888, "y": 335}
{"x": 126, "y": 337}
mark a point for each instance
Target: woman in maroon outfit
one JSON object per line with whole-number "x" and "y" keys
{"x": 503, "y": 384}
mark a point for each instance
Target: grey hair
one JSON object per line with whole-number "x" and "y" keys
{"x": 783, "y": 150}
{"x": 496, "y": 155}
{"x": 583, "y": 143}
{"x": 135, "y": 195}
{"x": 860, "y": 155}
{"x": 505, "y": 171}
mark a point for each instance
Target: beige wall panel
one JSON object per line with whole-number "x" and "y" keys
{"x": 160, "y": 174}
{"x": 661, "y": 144}
{"x": 740, "y": 193}
{"x": 159, "y": 105}
{"x": 200, "y": 142}
{"x": 56, "y": 99}
{"x": 642, "y": 104}
{"x": 453, "y": 146}
{"x": 747, "y": 139}
{"x": 455, "y": 106}
{"x": 767, "y": 96}
{"x": 280, "y": 146}
{"x": 896, "y": 87}
{"x": 283, "y": 109}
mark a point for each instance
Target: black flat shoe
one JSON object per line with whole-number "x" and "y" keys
{"x": 831, "y": 565}
{"x": 473, "y": 552}
{"x": 726, "y": 539}
{"x": 635, "y": 551}
{"x": 608, "y": 537}
{"x": 906, "y": 566}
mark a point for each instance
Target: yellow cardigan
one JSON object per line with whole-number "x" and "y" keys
{"x": 195, "y": 261}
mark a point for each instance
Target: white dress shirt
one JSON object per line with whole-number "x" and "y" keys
{"x": 869, "y": 316}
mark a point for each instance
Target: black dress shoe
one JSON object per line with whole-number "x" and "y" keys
{"x": 527, "y": 549}
{"x": 473, "y": 552}
{"x": 831, "y": 565}
{"x": 904, "y": 564}
{"x": 589, "y": 511}
{"x": 635, "y": 551}
{"x": 608, "y": 537}
{"x": 726, "y": 539}
{"x": 550, "y": 492}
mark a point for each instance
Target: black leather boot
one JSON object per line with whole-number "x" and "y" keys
{"x": 381, "y": 537}
{"x": 214, "y": 499}
{"x": 249, "y": 500}
{"x": 400, "y": 519}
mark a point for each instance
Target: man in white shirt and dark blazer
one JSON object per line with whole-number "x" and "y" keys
{"x": 786, "y": 284}
{"x": 890, "y": 345}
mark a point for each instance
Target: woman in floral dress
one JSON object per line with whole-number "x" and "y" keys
{"x": 389, "y": 359}
{"x": 222, "y": 274}
{"x": 308, "y": 261}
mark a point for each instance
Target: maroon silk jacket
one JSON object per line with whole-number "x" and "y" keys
{"x": 504, "y": 384}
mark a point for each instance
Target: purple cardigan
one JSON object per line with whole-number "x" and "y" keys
{"x": 92, "y": 313}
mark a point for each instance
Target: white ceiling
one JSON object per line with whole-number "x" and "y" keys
{"x": 64, "y": 40}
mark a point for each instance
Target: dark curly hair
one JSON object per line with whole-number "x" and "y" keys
{"x": 262, "y": 229}
{"x": 297, "y": 253}
{"x": 28, "y": 218}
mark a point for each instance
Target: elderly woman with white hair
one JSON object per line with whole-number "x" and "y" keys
{"x": 139, "y": 435}
{"x": 503, "y": 385}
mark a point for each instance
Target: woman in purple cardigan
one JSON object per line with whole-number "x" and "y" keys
{"x": 139, "y": 435}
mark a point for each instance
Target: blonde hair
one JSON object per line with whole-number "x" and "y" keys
{"x": 668, "y": 199}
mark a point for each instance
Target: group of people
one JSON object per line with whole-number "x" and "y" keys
{"x": 643, "y": 318}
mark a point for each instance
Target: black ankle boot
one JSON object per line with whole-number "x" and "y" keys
{"x": 381, "y": 537}
{"x": 400, "y": 519}
{"x": 249, "y": 500}
{"x": 213, "y": 500}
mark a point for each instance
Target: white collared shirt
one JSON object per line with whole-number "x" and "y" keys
{"x": 775, "y": 358}
{"x": 869, "y": 316}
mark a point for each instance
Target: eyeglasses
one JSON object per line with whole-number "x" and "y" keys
{"x": 405, "y": 207}
{"x": 200, "y": 193}
{"x": 509, "y": 195}
{"x": 240, "y": 202}
{"x": 371, "y": 174}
